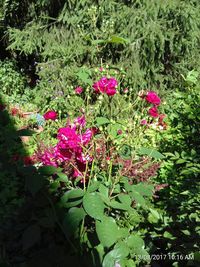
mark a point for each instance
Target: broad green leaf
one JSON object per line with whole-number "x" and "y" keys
{"x": 138, "y": 198}
{"x": 102, "y": 121}
{"x": 93, "y": 186}
{"x": 153, "y": 216}
{"x": 72, "y": 194}
{"x": 124, "y": 199}
{"x": 120, "y": 206}
{"x": 72, "y": 220}
{"x": 62, "y": 177}
{"x": 119, "y": 252}
{"x": 135, "y": 241}
{"x": 113, "y": 130}
{"x": 150, "y": 152}
{"x": 73, "y": 203}
{"x": 143, "y": 189}
{"x": 107, "y": 231}
{"x": 93, "y": 205}
{"x": 49, "y": 170}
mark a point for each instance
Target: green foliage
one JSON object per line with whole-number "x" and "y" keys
{"x": 177, "y": 205}
{"x": 11, "y": 81}
{"x": 154, "y": 41}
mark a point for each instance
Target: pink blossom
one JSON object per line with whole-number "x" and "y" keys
{"x": 143, "y": 122}
{"x": 125, "y": 91}
{"x": 105, "y": 85}
{"x": 153, "y": 98}
{"x": 80, "y": 121}
{"x": 68, "y": 137}
{"x": 70, "y": 147}
{"x": 78, "y": 90}
{"x": 153, "y": 112}
{"x": 86, "y": 137}
{"x": 50, "y": 115}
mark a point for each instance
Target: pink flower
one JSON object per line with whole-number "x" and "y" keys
{"x": 153, "y": 112}
{"x": 78, "y": 90}
{"x": 80, "y": 121}
{"x": 119, "y": 132}
{"x": 143, "y": 122}
{"x": 125, "y": 91}
{"x": 101, "y": 69}
{"x": 50, "y": 115}
{"x": 153, "y": 98}
{"x": 86, "y": 137}
{"x": 105, "y": 85}
{"x": 69, "y": 139}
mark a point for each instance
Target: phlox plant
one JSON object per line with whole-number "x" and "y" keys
{"x": 105, "y": 185}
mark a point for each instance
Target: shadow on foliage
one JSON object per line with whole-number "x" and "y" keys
{"x": 178, "y": 232}
{"x": 31, "y": 233}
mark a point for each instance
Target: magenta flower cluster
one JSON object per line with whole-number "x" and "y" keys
{"x": 106, "y": 86}
{"x": 153, "y": 98}
{"x": 72, "y": 140}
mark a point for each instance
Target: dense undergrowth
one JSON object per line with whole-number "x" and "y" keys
{"x": 99, "y": 141}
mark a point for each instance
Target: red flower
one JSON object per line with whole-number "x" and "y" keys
{"x": 153, "y": 112}
{"x": 153, "y": 98}
{"x": 28, "y": 160}
{"x": 14, "y": 111}
{"x": 78, "y": 90}
{"x": 50, "y": 115}
{"x": 119, "y": 132}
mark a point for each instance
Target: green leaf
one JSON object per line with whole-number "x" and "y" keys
{"x": 49, "y": 170}
{"x": 83, "y": 75}
{"x": 62, "y": 177}
{"x": 154, "y": 216}
{"x": 72, "y": 198}
{"x": 72, "y": 194}
{"x": 143, "y": 189}
{"x": 93, "y": 205}
{"x": 117, "y": 40}
{"x": 101, "y": 121}
{"x": 150, "y": 152}
{"x": 168, "y": 235}
{"x": 135, "y": 241}
{"x": 72, "y": 220}
{"x": 93, "y": 186}
{"x": 119, "y": 252}
{"x": 107, "y": 231}
{"x": 138, "y": 198}
{"x": 125, "y": 199}
{"x": 186, "y": 232}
